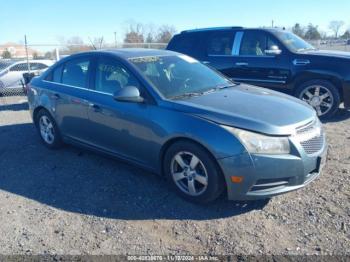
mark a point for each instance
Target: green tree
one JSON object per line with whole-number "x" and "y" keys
{"x": 298, "y": 30}
{"x": 48, "y": 55}
{"x": 6, "y": 54}
{"x": 312, "y": 33}
{"x": 35, "y": 55}
{"x": 346, "y": 35}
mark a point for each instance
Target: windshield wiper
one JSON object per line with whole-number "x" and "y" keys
{"x": 190, "y": 94}
{"x": 306, "y": 49}
{"x": 214, "y": 89}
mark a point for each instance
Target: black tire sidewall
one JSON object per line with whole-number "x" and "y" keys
{"x": 215, "y": 179}
{"x": 57, "y": 137}
{"x": 330, "y": 87}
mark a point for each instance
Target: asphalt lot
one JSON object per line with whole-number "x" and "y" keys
{"x": 73, "y": 201}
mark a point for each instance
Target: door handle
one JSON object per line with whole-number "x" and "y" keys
{"x": 206, "y": 62}
{"x": 56, "y": 96}
{"x": 95, "y": 107}
{"x": 242, "y": 64}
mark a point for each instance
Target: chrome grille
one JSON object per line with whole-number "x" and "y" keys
{"x": 311, "y": 137}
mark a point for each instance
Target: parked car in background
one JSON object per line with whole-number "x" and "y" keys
{"x": 11, "y": 74}
{"x": 273, "y": 58}
{"x": 171, "y": 114}
{"x": 348, "y": 42}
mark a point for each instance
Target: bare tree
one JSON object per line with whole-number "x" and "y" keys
{"x": 165, "y": 33}
{"x": 335, "y": 26}
{"x": 134, "y": 33}
{"x": 97, "y": 43}
{"x": 73, "y": 45}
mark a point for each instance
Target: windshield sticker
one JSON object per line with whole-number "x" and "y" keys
{"x": 144, "y": 59}
{"x": 188, "y": 59}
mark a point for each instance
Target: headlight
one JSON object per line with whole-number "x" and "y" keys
{"x": 261, "y": 144}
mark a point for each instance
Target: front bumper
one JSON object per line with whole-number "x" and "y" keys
{"x": 265, "y": 176}
{"x": 346, "y": 94}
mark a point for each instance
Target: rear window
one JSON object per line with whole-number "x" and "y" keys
{"x": 5, "y": 64}
{"x": 184, "y": 43}
{"x": 220, "y": 43}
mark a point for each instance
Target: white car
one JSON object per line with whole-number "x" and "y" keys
{"x": 11, "y": 74}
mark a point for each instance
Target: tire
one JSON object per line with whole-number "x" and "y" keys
{"x": 308, "y": 93}
{"x": 205, "y": 176}
{"x": 52, "y": 139}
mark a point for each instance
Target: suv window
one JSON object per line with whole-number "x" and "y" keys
{"x": 184, "y": 43}
{"x": 220, "y": 43}
{"x": 75, "y": 72}
{"x": 37, "y": 66}
{"x": 19, "y": 67}
{"x": 112, "y": 76}
{"x": 256, "y": 43}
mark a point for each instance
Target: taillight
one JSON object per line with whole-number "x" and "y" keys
{"x": 27, "y": 88}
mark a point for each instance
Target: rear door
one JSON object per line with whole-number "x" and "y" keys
{"x": 14, "y": 76}
{"x": 69, "y": 92}
{"x": 254, "y": 64}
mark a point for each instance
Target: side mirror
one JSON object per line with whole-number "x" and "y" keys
{"x": 129, "y": 94}
{"x": 274, "y": 50}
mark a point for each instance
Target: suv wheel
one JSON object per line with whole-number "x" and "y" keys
{"x": 321, "y": 95}
{"x": 192, "y": 172}
{"x": 48, "y": 130}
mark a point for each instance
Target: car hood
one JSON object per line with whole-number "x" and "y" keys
{"x": 249, "y": 107}
{"x": 329, "y": 53}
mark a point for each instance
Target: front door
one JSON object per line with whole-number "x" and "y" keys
{"x": 256, "y": 65}
{"x": 120, "y": 128}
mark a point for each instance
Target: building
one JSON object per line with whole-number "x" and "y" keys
{"x": 17, "y": 50}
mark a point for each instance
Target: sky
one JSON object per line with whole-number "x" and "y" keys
{"x": 47, "y": 21}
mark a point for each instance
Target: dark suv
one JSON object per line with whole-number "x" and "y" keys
{"x": 273, "y": 58}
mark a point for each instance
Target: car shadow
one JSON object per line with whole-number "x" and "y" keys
{"x": 80, "y": 181}
{"x": 14, "y": 107}
{"x": 341, "y": 115}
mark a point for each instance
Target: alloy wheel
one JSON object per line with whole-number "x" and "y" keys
{"x": 46, "y": 129}
{"x": 189, "y": 173}
{"x": 319, "y": 97}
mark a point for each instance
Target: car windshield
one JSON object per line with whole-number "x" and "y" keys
{"x": 5, "y": 64}
{"x": 293, "y": 42}
{"x": 179, "y": 76}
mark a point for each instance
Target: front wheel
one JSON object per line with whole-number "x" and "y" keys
{"x": 322, "y": 95}
{"x": 192, "y": 172}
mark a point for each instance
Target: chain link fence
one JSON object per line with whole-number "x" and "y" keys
{"x": 36, "y": 58}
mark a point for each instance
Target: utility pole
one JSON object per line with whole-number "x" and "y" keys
{"x": 27, "y": 55}
{"x": 272, "y": 23}
{"x": 115, "y": 39}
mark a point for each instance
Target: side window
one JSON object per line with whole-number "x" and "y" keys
{"x": 184, "y": 43}
{"x": 112, "y": 76}
{"x": 55, "y": 75}
{"x": 256, "y": 43}
{"x": 220, "y": 43}
{"x": 19, "y": 67}
{"x": 75, "y": 72}
{"x": 37, "y": 66}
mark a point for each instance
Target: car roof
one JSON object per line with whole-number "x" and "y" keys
{"x": 127, "y": 53}
{"x": 272, "y": 29}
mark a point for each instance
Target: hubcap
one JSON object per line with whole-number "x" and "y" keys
{"x": 189, "y": 173}
{"x": 46, "y": 129}
{"x": 319, "y": 97}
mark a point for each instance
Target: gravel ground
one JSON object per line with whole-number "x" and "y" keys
{"x": 73, "y": 201}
